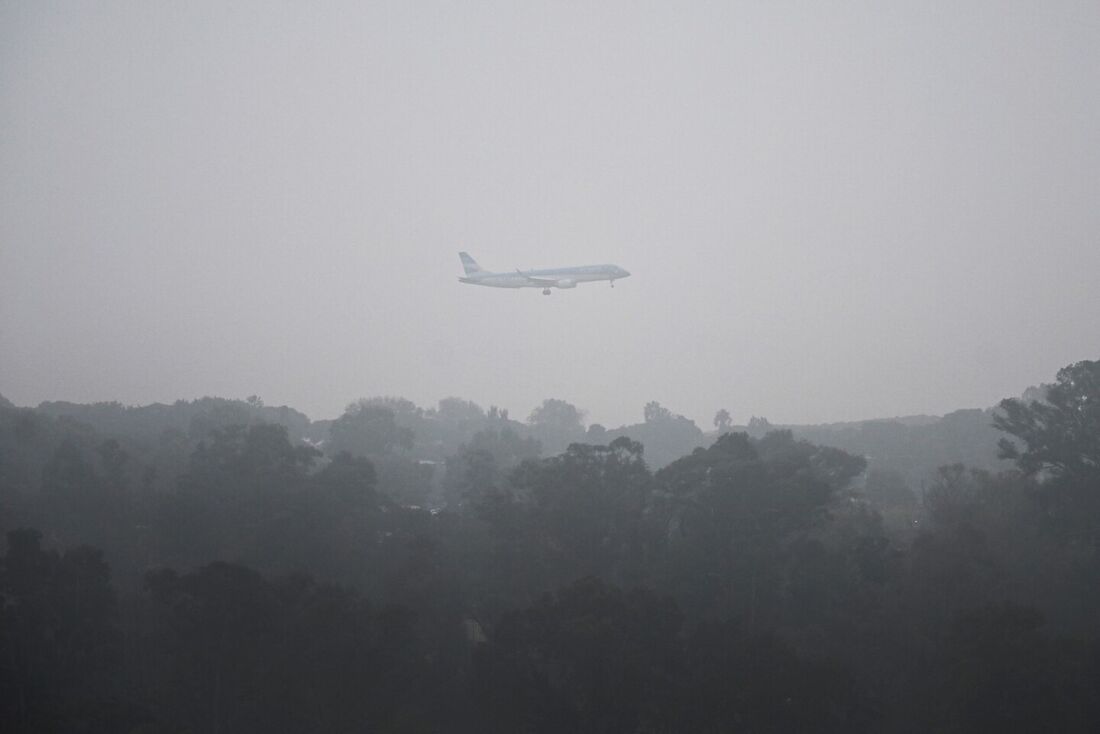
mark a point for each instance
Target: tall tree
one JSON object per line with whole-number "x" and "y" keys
{"x": 654, "y": 412}
{"x": 589, "y": 506}
{"x": 368, "y": 430}
{"x": 734, "y": 513}
{"x": 557, "y": 423}
{"x": 1061, "y": 433}
{"x": 61, "y": 647}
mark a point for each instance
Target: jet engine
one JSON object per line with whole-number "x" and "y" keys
{"x": 566, "y": 284}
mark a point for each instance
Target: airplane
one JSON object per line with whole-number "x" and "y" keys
{"x": 545, "y": 279}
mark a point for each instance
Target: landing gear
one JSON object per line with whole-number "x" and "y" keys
{"x": 612, "y": 282}
{"x": 545, "y": 291}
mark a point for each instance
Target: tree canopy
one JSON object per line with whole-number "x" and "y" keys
{"x": 1059, "y": 433}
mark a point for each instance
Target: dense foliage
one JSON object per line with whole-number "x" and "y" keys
{"x": 223, "y": 566}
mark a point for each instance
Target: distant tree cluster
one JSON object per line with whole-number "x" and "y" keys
{"x": 222, "y": 566}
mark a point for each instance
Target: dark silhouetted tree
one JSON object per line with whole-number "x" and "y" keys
{"x": 61, "y": 646}
{"x": 590, "y": 658}
{"x": 1060, "y": 434}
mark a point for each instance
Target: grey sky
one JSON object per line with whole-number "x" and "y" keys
{"x": 831, "y": 210}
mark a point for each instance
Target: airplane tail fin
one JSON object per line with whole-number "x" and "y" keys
{"x": 468, "y": 263}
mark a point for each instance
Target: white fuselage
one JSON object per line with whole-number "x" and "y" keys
{"x": 548, "y": 278}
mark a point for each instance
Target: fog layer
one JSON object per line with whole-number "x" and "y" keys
{"x": 842, "y": 211}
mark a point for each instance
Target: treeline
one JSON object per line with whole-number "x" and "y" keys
{"x": 162, "y": 436}
{"x": 236, "y": 571}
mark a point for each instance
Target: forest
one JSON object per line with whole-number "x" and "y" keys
{"x": 227, "y": 566}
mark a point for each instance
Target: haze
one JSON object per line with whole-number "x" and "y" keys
{"x": 831, "y": 211}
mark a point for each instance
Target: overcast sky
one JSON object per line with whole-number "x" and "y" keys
{"x": 831, "y": 211}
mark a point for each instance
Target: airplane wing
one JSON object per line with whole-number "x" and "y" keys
{"x": 537, "y": 281}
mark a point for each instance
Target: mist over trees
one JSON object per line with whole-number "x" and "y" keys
{"x": 223, "y": 565}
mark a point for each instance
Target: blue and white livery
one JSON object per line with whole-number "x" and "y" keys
{"x": 545, "y": 279}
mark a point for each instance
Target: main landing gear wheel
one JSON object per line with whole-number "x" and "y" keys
{"x": 545, "y": 291}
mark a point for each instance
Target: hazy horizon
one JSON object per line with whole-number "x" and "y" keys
{"x": 705, "y": 423}
{"x": 838, "y": 213}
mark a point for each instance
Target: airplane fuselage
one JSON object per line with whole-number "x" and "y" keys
{"x": 546, "y": 278}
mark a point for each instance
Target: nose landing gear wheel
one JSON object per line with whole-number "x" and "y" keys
{"x": 545, "y": 291}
